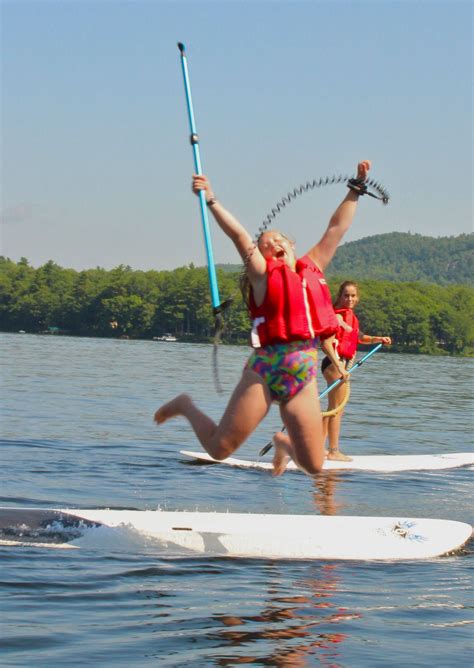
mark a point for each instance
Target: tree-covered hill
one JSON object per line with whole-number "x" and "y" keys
{"x": 401, "y": 256}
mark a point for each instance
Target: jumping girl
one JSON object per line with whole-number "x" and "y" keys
{"x": 291, "y": 308}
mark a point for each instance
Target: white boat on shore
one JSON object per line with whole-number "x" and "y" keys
{"x": 169, "y": 338}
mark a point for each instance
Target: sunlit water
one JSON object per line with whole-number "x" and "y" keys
{"x": 77, "y": 431}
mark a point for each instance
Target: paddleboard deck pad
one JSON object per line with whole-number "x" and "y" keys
{"x": 379, "y": 463}
{"x": 241, "y": 535}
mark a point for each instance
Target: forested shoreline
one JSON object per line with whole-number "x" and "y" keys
{"x": 122, "y": 302}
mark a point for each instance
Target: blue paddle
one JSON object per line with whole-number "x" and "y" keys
{"x": 217, "y": 306}
{"x": 331, "y": 387}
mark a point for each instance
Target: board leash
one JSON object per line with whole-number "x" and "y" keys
{"x": 369, "y": 187}
{"x": 334, "y": 411}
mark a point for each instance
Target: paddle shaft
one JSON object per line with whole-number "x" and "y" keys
{"x": 353, "y": 368}
{"x": 211, "y": 270}
{"x": 331, "y": 387}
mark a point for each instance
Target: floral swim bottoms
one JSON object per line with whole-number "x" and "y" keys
{"x": 285, "y": 367}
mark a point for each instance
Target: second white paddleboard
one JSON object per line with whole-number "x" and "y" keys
{"x": 380, "y": 463}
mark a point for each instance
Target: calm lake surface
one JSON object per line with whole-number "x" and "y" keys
{"x": 77, "y": 431}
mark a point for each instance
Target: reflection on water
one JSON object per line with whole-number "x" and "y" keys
{"x": 291, "y": 624}
{"x": 324, "y": 494}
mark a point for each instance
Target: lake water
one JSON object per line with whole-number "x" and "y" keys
{"x": 77, "y": 431}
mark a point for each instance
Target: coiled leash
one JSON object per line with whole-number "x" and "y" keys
{"x": 369, "y": 187}
{"x": 334, "y": 411}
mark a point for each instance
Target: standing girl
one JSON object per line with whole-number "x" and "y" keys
{"x": 348, "y": 337}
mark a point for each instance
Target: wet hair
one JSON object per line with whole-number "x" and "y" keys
{"x": 285, "y": 236}
{"x": 244, "y": 286}
{"x": 342, "y": 287}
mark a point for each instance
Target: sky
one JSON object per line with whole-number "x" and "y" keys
{"x": 96, "y": 159}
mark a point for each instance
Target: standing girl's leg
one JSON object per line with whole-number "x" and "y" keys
{"x": 332, "y": 425}
{"x": 247, "y": 407}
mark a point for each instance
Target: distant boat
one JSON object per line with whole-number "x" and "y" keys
{"x": 169, "y": 338}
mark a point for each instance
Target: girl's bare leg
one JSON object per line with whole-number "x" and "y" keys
{"x": 332, "y": 425}
{"x": 330, "y": 374}
{"x": 302, "y": 418}
{"x": 247, "y": 407}
{"x": 334, "y": 429}
{"x": 325, "y": 432}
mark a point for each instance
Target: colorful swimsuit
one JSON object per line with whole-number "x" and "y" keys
{"x": 285, "y": 367}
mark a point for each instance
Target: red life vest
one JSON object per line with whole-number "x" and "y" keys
{"x": 297, "y": 305}
{"x": 347, "y": 341}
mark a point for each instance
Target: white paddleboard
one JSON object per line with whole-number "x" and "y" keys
{"x": 380, "y": 463}
{"x": 257, "y": 536}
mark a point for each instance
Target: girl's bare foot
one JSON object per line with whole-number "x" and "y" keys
{"x": 338, "y": 456}
{"x": 280, "y": 458}
{"x": 173, "y": 408}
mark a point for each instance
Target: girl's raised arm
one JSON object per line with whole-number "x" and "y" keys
{"x": 242, "y": 240}
{"x": 323, "y": 252}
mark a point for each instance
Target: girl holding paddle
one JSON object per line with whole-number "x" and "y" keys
{"x": 347, "y": 338}
{"x": 290, "y": 307}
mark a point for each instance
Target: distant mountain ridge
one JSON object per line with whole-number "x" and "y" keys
{"x": 403, "y": 256}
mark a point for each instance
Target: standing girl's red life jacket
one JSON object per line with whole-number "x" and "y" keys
{"x": 297, "y": 305}
{"x": 347, "y": 341}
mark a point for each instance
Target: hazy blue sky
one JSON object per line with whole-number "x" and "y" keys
{"x": 96, "y": 160}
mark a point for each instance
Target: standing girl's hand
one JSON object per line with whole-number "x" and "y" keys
{"x": 386, "y": 340}
{"x": 201, "y": 182}
{"x": 343, "y": 371}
